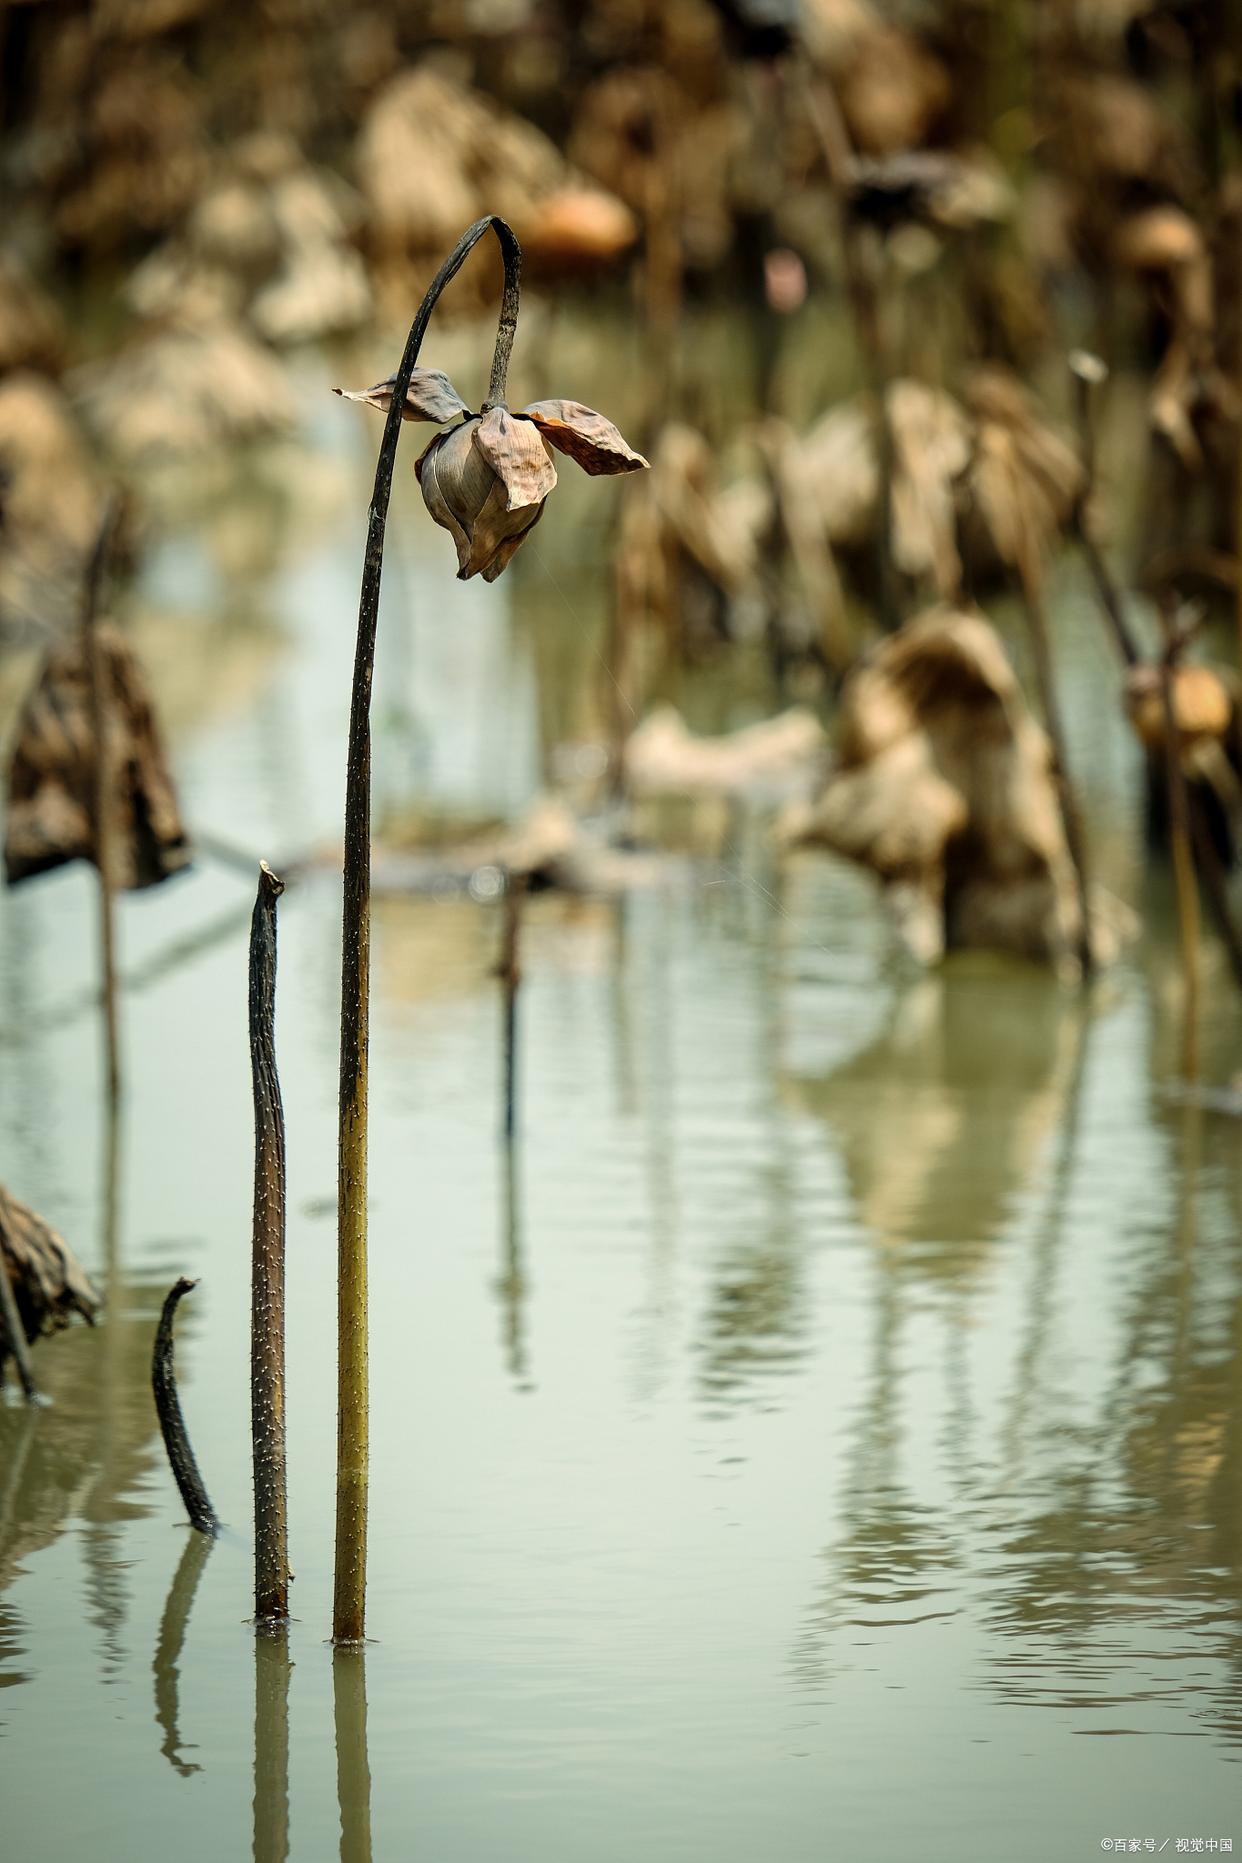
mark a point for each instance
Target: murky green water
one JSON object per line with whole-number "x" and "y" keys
{"x": 828, "y": 1445}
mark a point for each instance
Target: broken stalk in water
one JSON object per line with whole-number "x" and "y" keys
{"x": 267, "y": 1308}
{"x": 172, "y": 1423}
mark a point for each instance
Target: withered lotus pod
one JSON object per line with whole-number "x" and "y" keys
{"x": 485, "y": 480}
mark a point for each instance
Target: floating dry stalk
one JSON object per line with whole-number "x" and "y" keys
{"x": 267, "y": 1297}
{"x": 485, "y": 482}
{"x": 172, "y": 1423}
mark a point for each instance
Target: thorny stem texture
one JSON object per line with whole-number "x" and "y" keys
{"x": 172, "y": 1423}
{"x": 267, "y": 1288}
{"x": 349, "y": 1594}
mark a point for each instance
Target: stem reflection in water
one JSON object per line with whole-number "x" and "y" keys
{"x": 511, "y": 1281}
{"x": 353, "y": 1768}
{"x": 272, "y": 1669}
{"x": 169, "y": 1644}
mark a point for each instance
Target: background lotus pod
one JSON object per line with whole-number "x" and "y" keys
{"x": 430, "y": 396}
{"x": 52, "y": 773}
{"x": 486, "y": 488}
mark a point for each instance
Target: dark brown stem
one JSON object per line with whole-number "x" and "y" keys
{"x": 97, "y": 675}
{"x": 1086, "y": 372}
{"x": 1215, "y": 885}
{"x": 12, "y": 1332}
{"x": 509, "y": 971}
{"x": 1071, "y": 820}
{"x": 349, "y": 1592}
{"x": 1183, "y": 869}
{"x": 172, "y": 1423}
{"x": 267, "y": 1293}
{"x": 828, "y": 124}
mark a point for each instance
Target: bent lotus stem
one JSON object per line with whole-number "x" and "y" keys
{"x": 349, "y": 1593}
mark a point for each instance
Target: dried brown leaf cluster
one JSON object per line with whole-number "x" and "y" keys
{"x": 52, "y": 772}
{"x": 49, "y": 1284}
{"x": 943, "y": 788}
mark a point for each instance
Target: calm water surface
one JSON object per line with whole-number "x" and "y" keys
{"x": 827, "y": 1442}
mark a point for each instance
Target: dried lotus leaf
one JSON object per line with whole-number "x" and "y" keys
{"x": 517, "y": 456}
{"x": 430, "y": 396}
{"x": 588, "y": 437}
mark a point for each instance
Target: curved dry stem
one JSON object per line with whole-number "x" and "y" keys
{"x": 172, "y": 1423}
{"x": 349, "y": 1593}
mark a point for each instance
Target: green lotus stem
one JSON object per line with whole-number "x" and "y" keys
{"x": 349, "y": 1592}
{"x": 267, "y": 1288}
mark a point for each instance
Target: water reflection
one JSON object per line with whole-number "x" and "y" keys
{"x": 353, "y": 1767}
{"x": 86, "y": 1455}
{"x": 942, "y": 1118}
{"x": 272, "y": 1670}
{"x": 1135, "y": 1524}
{"x": 511, "y": 1283}
{"x": 166, "y": 1665}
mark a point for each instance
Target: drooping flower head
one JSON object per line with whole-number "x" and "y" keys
{"x": 486, "y": 479}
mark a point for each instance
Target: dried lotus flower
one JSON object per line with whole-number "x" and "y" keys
{"x": 485, "y": 480}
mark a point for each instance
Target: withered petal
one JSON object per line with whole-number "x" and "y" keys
{"x": 471, "y": 502}
{"x": 587, "y": 437}
{"x": 427, "y": 470}
{"x": 496, "y": 534}
{"x": 508, "y": 549}
{"x": 430, "y": 396}
{"x": 517, "y": 456}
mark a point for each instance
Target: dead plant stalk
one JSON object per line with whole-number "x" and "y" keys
{"x": 267, "y": 1299}
{"x": 349, "y": 1595}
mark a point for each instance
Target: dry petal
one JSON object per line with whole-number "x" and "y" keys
{"x": 517, "y": 456}
{"x": 473, "y": 503}
{"x": 430, "y": 396}
{"x": 587, "y": 437}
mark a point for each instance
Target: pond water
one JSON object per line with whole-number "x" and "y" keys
{"x": 826, "y": 1441}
